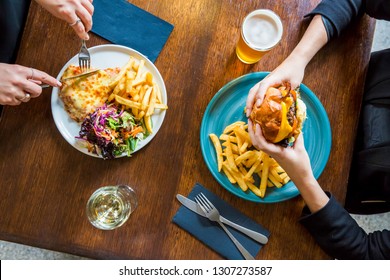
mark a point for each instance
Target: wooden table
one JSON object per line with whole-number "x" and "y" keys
{"x": 45, "y": 182}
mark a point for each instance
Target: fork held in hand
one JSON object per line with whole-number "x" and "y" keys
{"x": 84, "y": 57}
{"x": 212, "y": 214}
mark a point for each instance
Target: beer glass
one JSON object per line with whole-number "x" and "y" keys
{"x": 261, "y": 30}
{"x": 109, "y": 207}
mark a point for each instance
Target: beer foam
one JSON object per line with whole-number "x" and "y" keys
{"x": 262, "y": 30}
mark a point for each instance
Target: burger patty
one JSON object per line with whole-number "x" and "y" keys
{"x": 291, "y": 114}
{"x": 284, "y": 143}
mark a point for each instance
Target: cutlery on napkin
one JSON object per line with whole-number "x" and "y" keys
{"x": 212, "y": 214}
{"x": 195, "y": 208}
{"x": 212, "y": 234}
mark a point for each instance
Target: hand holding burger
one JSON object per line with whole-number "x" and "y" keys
{"x": 280, "y": 115}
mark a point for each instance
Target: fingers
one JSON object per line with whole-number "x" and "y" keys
{"x": 32, "y": 84}
{"x": 263, "y": 86}
{"x": 29, "y": 89}
{"x": 15, "y": 97}
{"x": 80, "y": 29}
{"x": 42, "y": 77}
{"x": 261, "y": 143}
{"x": 27, "y": 85}
{"x": 252, "y": 134}
{"x": 256, "y": 135}
{"x": 32, "y": 89}
{"x": 256, "y": 94}
{"x": 24, "y": 93}
{"x": 25, "y": 98}
{"x": 81, "y": 19}
{"x": 88, "y": 6}
{"x": 264, "y": 145}
{"x": 299, "y": 143}
{"x": 295, "y": 84}
{"x": 251, "y": 99}
{"x": 86, "y": 22}
{"x": 19, "y": 83}
{"x": 26, "y": 90}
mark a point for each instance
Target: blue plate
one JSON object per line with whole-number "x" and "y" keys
{"x": 227, "y": 106}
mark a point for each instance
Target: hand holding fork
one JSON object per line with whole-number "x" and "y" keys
{"x": 212, "y": 214}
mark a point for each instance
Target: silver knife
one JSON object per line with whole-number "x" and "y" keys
{"x": 81, "y": 75}
{"x": 193, "y": 206}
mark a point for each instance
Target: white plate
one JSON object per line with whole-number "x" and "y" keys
{"x": 105, "y": 56}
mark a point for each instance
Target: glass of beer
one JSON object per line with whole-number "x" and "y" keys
{"x": 260, "y": 32}
{"x": 109, "y": 207}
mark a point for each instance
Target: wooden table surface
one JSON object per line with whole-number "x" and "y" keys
{"x": 45, "y": 182}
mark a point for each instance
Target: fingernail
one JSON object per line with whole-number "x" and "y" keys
{"x": 59, "y": 83}
{"x": 247, "y": 113}
{"x": 86, "y": 37}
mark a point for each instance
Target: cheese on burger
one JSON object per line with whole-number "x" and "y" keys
{"x": 281, "y": 115}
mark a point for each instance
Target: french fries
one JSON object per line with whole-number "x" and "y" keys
{"x": 134, "y": 88}
{"x": 243, "y": 164}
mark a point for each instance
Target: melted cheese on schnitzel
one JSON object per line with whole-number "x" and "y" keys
{"x": 82, "y": 96}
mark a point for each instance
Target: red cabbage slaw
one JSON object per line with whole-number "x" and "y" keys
{"x": 111, "y": 132}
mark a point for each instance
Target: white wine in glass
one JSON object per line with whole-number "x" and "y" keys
{"x": 110, "y": 207}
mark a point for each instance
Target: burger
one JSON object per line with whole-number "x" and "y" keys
{"x": 281, "y": 115}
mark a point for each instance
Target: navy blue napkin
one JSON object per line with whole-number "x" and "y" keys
{"x": 124, "y": 24}
{"x": 211, "y": 234}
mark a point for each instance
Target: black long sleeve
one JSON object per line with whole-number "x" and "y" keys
{"x": 12, "y": 17}
{"x": 337, "y": 14}
{"x": 379, "y": 9}
{"x": 338, "y": 234}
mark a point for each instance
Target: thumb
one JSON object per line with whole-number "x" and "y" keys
{"x": 299, "y": 142}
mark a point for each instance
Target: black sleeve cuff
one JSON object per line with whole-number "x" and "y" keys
{"x": 338, "y": 234}
{"x": 337, "y": 15}
{"x": 378, "y": 9}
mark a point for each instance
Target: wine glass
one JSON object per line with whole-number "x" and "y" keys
{"x": 109, "y": 207}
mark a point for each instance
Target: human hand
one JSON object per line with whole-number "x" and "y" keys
{"x": 294, "y": 160}
{"x": 290, "y": 71}
{"x": 19, "y": 84}
{"x": 78, "y": 13}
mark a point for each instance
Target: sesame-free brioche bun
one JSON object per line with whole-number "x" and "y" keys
{"x": 280, "y": 115}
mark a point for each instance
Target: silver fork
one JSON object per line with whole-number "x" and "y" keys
{"x": 84, "y": 57}
{"x": 212, "y": 214}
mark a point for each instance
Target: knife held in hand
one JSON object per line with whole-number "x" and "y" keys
{"x": 261, "y": 238}
{"x": 81, "y": 75}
